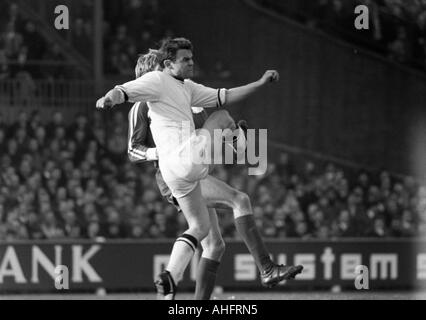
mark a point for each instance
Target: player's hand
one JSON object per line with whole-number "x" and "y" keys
{"x": 270, "y": 76}
{"x": 104, "y": 103}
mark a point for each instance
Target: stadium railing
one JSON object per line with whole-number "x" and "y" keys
{"x": 27, "y": 93}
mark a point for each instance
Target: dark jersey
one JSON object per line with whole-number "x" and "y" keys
{"x": 140, "y": 140}
{"x": 199, "y": 119}
{"x": 139, "y": 135}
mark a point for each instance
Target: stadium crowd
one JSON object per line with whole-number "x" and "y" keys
{"x": 73, "y": 180}
{"x": 23, "y": 48}
{"x": 129, "y": 28}
{"x": 397, "y": 28}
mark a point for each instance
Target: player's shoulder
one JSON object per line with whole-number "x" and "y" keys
{"x": 191, "y": 84}
{"x": 153, "y": 75}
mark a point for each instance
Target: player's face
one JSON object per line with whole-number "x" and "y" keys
{"x": 183, "y": 67}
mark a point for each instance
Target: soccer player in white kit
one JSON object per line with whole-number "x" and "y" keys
{"x": 170, "y": 95}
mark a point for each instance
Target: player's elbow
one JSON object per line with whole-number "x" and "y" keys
{"x": 116, "y": 95}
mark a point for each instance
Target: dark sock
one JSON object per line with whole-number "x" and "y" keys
{"x": 206, "y": 278}
{"x": 248, "y": 231}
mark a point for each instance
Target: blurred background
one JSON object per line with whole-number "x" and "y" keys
{"x": 346, "y": 139}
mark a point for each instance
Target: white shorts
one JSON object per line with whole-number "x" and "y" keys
{"x": 183, "y": 168}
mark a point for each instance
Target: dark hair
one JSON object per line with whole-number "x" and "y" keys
{"x": 170, "y": 47}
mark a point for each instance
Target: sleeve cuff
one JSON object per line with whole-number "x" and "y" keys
{"x": 221, "y": 97}
{"x": 151, "y": 154}
{"x": 126, "y": 97}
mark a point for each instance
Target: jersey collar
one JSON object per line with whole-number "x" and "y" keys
{"x": 179, "y": 79}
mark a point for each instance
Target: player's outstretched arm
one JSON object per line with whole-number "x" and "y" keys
{"x": 112, "y": 98}
{"x": 240, "y": 93}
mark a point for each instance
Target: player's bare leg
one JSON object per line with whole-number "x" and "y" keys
{"x": 196, "y": 213}
{"x": 213, "y": 248}
{"x": 218, "y": 192}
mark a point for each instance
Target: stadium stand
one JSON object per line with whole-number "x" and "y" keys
{"x": 71, "y": 180}
{"x": 62, "y": 180}
{"x": 397, "y": 31}
{"x": 130, "y": 28}
{"x": 26, "y": 52}
{"x": 397, "y": 28}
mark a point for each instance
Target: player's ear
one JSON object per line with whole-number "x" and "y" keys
{"x": 168, "y": 63}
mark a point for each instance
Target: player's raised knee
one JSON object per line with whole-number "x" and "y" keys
{"x": 241, "y": 199}
{"x": 224, "y": 115}
{"x": 214, "y": 247}
{"x": 219, "y": 247}
{"x": 200, "y": 231}
{"x": 223, "y": 118}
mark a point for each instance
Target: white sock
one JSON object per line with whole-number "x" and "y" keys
{"x": 182, "y": 253}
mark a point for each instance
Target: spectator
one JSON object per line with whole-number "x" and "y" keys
{"x": 398, "y": 48}
{"x": 94, "y": 230}
{"x": 4, "y": 66}
{"x": 34, "y": 43}
{"x": 55, "y": 71}
{"x": 379, "y": 229}
{"x": 50, "y": 226}
{"x": 81, "y": 39}
{"x": 2, "y": 141}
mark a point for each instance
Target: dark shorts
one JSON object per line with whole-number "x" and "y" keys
{"x": 165, "y": 191}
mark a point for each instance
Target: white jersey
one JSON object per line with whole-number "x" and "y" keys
{"x": 170, "y": 101}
